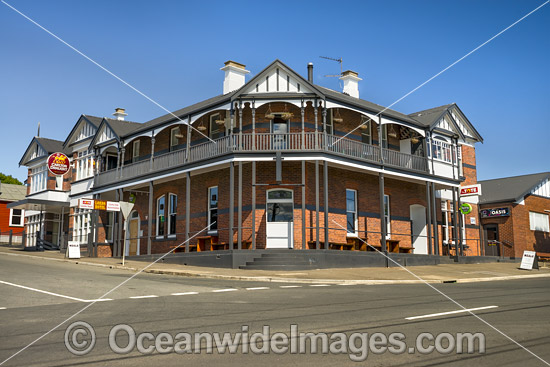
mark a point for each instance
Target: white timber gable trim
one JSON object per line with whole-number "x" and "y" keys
{"x": 277, "y": 79}
{"x": 542, "y": 189}
{"x": 105, "y": 134}
{"x": 37, "y": 151}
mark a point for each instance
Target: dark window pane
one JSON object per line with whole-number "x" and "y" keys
{"x": 351, "y": 222}
{"x": 282, "y": 194}
{"x": 279, "y": 212}
{"x": 213, "y": 219}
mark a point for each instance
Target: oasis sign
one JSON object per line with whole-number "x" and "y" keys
{"x": 58, "y": 164}
{"x": 497, "y": 212}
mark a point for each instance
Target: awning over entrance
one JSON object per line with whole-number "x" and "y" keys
{"x": 39, "y": 205}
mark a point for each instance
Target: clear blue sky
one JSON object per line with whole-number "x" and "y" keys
{"x": 172, "y": 51}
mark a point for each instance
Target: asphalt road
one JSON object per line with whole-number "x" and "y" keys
{"x": 159, "y": 303}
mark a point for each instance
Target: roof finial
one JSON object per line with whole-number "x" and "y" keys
{"x": 38, "y": 134}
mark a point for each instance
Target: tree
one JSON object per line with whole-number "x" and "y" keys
{"x": 9, "y": 179}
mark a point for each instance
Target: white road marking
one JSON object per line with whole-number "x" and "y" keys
{"x": 224, "y": 290}
{"x": 45, "y": 292}
{"x": 184, "y": 293}
{"x": 149, "y": 296}
{"x": 449, "y": 313}
{"x": 99, "y": 300}
{"x": 291, "y": 286}
{"x": 2, "y": 308}
{"x": 256, "y": 288}
{"x": 319, "y": 285}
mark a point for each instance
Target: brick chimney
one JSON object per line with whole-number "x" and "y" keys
{"x": 234, "y": 76}
{"x": 351, "y": 83}
{"x": 120, "y": 113}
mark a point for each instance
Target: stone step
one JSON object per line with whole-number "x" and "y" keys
{"x": 276, "y": 267}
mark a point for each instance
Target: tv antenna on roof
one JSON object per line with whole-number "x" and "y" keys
{"x": 339, "y": 60}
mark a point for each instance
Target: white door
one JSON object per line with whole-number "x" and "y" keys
{"x": 418, "y": 218}
{"x": 279, "y": 219}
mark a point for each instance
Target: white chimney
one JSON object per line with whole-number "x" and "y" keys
{"x": 120, "y": 113}
{"x": 351, "y": 83}
{"x": 234, "y": 76}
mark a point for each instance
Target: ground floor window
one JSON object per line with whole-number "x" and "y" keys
{"x": 109, "y": 226}
{"x": 539, "y": 222}
{"x": 351, "y": 211}
{"x": 16, "y": 217}
{"x": 82, "y": 225}
{"x": 33, "y": 228}
{"x": 213, "y": 209}
{"x": 172, "y": 214}
{"x": 161, "y": 201}
{"x": 387, "y": 215}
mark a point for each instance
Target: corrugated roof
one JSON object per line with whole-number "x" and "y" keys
{"x": 509, "y": 188}
{"x": 9, "y": 192}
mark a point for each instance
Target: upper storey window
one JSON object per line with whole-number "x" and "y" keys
{"x": 441, "y": 150}
{"x": 217, "y": 128}
{"x": 39, "y": 178}
{"x": 84, "y": 165}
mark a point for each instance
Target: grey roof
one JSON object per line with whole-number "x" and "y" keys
{"x": 431, "y": 115}
{"x": 9, "y": 192}
{"x": 51, "y": 145}
{"x": 159, "y": 121}
{"x": 510, "y": 188}
{"x": 342, "y": 97}
{"x": 96, "y": 121}
{"x": 123, "y": 127}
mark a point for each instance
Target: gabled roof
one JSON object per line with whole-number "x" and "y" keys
{"x": 95, "y": 121}
{"x": 48, "y": 145}
{"x": 510, "y": 188}
{"x": 9, "y": 192}
{"x": 431, "y": 117}
{"x": 118, "y": 127}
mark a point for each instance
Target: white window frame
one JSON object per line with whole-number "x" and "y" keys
{"x": 158, "y": 221}
{"x": 22, "y": 217}
{"x": 171, "y": 212}
{"x": 367, "y": 132}
{"x": 135, "y": 150}
{"x": 39, "y": 179}
{"x": 174, "y": 131}
{"x": 211, "y": 208}
{"x": 387, "y": 216}
{"x": 82, "y": 220}
{"x": 109, "y": 227}
{"x": 543, "y": 224}
{"x": 356, "y": 220}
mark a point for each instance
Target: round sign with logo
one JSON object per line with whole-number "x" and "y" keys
{"x": 465, "y": 208}
{"x": 58, "y": 164}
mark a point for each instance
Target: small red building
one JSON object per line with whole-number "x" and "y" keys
{"x": 11, "y": 219}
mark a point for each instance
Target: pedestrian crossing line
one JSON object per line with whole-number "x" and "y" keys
{"x": 224, "y": 290}
{"x": 290, "y": 286}
{"x": 184, "y": 293}
{"x": 319, "y": 285}
{"x": 256, "y": 288}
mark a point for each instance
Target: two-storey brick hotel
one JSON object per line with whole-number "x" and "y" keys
{"x": 275, "y": 162}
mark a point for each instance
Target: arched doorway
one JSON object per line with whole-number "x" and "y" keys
{"x": 279, "y": 218}
{"x": 419, "y": 238}
{"x": 132, "y": 234}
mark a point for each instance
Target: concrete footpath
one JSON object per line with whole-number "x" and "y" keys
{"x": 459, "y": 273}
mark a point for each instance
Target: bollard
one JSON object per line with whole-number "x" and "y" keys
{"x": 11, "y": 237}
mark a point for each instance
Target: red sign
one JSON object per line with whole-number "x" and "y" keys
{"x": 470, "y": 190}
{"x": 58, "y": 164}
{"x": 86, "y": 204}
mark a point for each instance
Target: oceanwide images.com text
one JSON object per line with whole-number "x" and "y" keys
{"x": 80, "y": 339}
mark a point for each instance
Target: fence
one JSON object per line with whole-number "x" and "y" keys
{"x": 12, "y": 239}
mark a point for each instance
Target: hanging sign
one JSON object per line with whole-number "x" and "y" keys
{"x": 496, "y": 212}
{"x": 470, "y": 190}
{"x": 100, "y": 204}
{"x": 529, "y": 260}
{"x": 111, "y": 206}
{"x": 465, "y": 208}
{"x": 58, "y": 164}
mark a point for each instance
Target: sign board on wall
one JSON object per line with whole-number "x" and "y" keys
{"x": 496, "y": 212}
{"x": 112, "y": 206}
{"x": 73, "y": 250}
{"x": 529, "y": 260}
{"x": 465, "y": 208}
{"x": 470, "y": 190}
{"x": 58, "y": 164}
{"x": 85, "y": 204}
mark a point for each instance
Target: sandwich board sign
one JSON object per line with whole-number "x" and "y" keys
{"x": 73, "y": 250}
{"x": 529, "y": 260}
